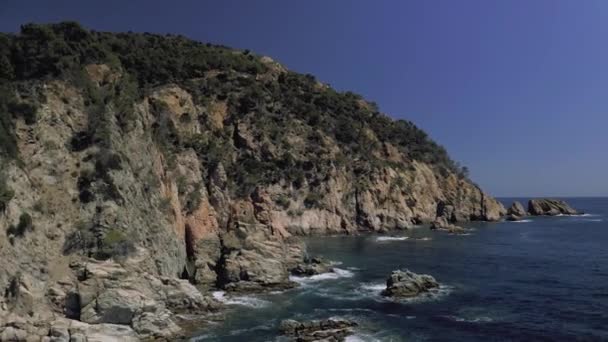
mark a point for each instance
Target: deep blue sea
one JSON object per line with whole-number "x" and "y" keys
{"x": 545, "y": 278}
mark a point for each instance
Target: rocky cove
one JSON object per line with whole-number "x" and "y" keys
{"x": 133, "y": 185}
{"x": 492, "y": 282}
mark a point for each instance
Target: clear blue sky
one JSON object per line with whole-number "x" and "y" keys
{"x": 517, "y": 90}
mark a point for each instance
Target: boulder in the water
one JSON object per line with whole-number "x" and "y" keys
{"x": 517, "y": 209}
{"x": 406, "y": 284}
{"x": 441, "y": 223}
{"x": 332, "y": 329}
{"x": 312, "y": 267}
{"x": 550, "y": 207}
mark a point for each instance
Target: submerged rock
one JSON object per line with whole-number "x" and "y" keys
{"x": 405, "y": 284}
{"x": 550, "y": 207}
{"x": 332, "y": 329}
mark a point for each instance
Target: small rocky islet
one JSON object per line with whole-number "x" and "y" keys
{"x": 132, "y": 184}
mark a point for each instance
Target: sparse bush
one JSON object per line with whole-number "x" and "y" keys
{"x": 114, "y": 245}
{"x": 6, "y": 194}
{"x": 283, "y": 201}
{"x": 25, "y": 224}
{"x": 313, "y": 200}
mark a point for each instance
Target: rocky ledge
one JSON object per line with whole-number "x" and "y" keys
{"x": 406, "y": 284}
{"x": 106, "y": 301}
{"x": 330, "y": 330}
{"x": 312, "y": 267}
{"x": 550, "y": 207}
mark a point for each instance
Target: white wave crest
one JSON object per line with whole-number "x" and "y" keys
{"x": 249, "y": 301}
{"x": 522, "y": 221}
{"x": 481, "y": 319}
{"x": 336, "y": 274}
{"x": 391, "y": 238}
{"x": 360, "y": 338}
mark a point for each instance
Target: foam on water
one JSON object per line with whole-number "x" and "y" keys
{"x": 522, "y": 221}
{"x": 481, "y": 319}
{"x": 391, "y": 238}
{"x": 360, "y": 338}
{"x": 374, "y": 290}
{"x": 336, "y": 274}
{"x": 249, "y": 301}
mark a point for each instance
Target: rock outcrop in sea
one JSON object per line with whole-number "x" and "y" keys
{"x": 332, "y": 329}
{"x": 406, "y": 284}
{"x": 550, "y": 207}
{"x": 516, "y": 212}
{"x": 132, "y": 180}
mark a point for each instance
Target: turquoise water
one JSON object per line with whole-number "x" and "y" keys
{"x": 541, "y": 279}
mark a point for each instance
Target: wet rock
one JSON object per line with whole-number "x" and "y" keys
{"x": 332, "y": 329}
{"x": 156, "y": 324}
{"x": 312, "y": 267}
{"x": 405, "y": 284}
{"x": 442, "y": 224}
{"x": 550, "y": 207}
{"x": 512, "y": 217}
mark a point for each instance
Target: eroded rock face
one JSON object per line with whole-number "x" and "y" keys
{"x": 319, "y": 330}
{"x": 517, "y": 209}
{"x": 516, "y": 212}
{"x": 550, "y": 207}
{"x": 405, "y": 284}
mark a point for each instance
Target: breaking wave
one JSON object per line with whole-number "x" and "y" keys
{"x": 391, "y": 238}
{"x": 336, "y": 274}
{"x": 248, "y": 301}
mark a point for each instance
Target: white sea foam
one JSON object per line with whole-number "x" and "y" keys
{"x": 374, "y": 290}
{"x": 522, "y": 221}
{"x": 481, "y": 319}
{"x": 360, "y": 338}
{"x": 391, "y": 238}
{"x": 336, "y": 274}
{"x": 424, "y": 239}
{"x": 249, "y": 301}
{"x": 431, "y": 295}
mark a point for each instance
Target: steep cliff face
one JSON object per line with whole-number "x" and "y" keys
{"x": 203, "y": 164}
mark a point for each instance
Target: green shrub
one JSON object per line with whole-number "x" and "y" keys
{"x": 115, "y": 245}
{"x": 313, "y": 200}
{"x": 6, "y": 194}
{"x": 283, "y": 201}
{"x": 25, "y": 224}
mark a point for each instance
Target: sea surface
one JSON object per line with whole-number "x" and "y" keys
{"x": 545, "y": 278}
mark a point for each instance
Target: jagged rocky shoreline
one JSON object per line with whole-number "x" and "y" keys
{"x": 132, "y": 183}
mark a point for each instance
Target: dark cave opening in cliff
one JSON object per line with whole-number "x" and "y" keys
{"x": 188, "y": 272}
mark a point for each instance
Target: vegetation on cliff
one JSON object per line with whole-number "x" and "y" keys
{"x": 273, "y": 108}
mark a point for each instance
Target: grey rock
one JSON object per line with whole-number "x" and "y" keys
{"x": 78, "y": 337}
{"x": 312, "y": 267}
{"x": 404, "y": 284}
{"x": 11, "y": 334}
{"x": 550, "y": 207}
{"x": 318, "y": 330}
{"x": 517, "y": 210}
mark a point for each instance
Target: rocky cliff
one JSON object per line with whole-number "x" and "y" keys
{"x": 170, "y": 159}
